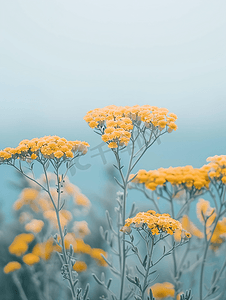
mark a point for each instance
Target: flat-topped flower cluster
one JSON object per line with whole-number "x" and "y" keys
{"x": 218, "y": 167}
{"x": 116, "y": 123}
{"x": 156, "y": 223}
{"x": 51, "y": 147}
{"x": 187, "y": 175}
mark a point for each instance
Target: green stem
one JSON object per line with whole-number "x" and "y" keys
{"x": 205, "y": 253}
{"x": 147, "y": 267}
{"x": 19, "y": 286}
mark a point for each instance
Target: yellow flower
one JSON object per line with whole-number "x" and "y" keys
{"x": 163, "y": 290}
{"x": 18, "y": 248}
{"x": 82, "y": 200}
{"x": 93, "y": 124}
{"x": 119, "y": 121}
{"x": 96, "y": 254}
{"x": 44, "y": 250}
{"x": 203, "y": 209}
{"x": 157, "y": 223}
{"x": 31, "y": 259}
{"x": 34, "y": 156}
{"x": 34, "y": 226}
{"x": 48, "y": 146}
{"x": 112, "y": 145}
{"x": 80, "y": 266}
{"x": 12, "y": 266}
{"x": 58, "y": 154}
{"x": 190, "y": 227}
{"x": 81, "y": 228}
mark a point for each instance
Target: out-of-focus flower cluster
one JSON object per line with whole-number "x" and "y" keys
{"x": 163, "y": 290}
{"x": 36, "y": 213}
{"x": 38, "y": 201}
{"x": 116, "y": 122}
{"x": 51, "y": 147}
{"x": 217, "y": 165}
{"x": 156, "y": 223}
{"x": 206, "y": 214}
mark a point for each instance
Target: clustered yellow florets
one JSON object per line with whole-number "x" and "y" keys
{"x": 80, "y": 266}
{"x": 156, "y": 223}
{"x": 217, "y": 166}
{"x": 34, "y": 226}
{"x": 20, "y": 244}
{"x": 187, "y": 175}
{"x": 51, "y": 147}
{"x": 163, "y": 290}
{"x": 208, "y": 215}
{"x": 12, "y": 266}
{"x": 31, "y": 259}
{"x": 116, "y": 122}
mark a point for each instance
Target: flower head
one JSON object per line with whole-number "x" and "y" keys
{"x": 12, "y": 266}
{"x": 31, "y": 259}
{"x": 116, "y": 123}
{"x": 163, "y": 290}
{"x": 51, "y": 147}
{"x": 80, "y": 266}
{"x": 156, "y": 223}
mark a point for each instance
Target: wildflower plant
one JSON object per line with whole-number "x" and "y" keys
{"x": 183, "y": 185}
{"x": 57, "y": 152}
{"x": 119, "y": 126}
{"x": 149, "y": 237}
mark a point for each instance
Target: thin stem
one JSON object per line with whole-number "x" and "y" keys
{"x": 19, "y": 286}
{"x": 147, "y": 267}
{"x": 208, "y": 241}
{"x": 123, "y": 220}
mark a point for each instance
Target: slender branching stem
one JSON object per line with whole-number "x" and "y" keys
{"x": 149, "y": 251}
{"x": 208, "y": 241}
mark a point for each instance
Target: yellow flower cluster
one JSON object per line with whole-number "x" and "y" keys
{"x": 44, "y": 250}
{"x": 34, "y": 226}
{"x": 188, "y": 176}
{"x": 20, "y": 243}
{"x": 203, "y": 209}
{"x": 219, "y": 235}
{"x": 116, "y": 122}
{"x": 31, "y": 259}
{"x": 163, "y": 290}
{"x": 12, "y": 266}
{"x": 157, "y": 223}
{"x": 80, "y": 266}
{"x": 65, "y": 217}
{"x": 80, "y": 247}
{"x": 39, "y": 202}
{"x": 51, "y": 147}
{"x": 81, "y": 229}
{"x": 190, "y": 227}
{"x": 217, "y": 166}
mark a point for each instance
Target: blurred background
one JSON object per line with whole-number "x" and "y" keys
{"x": 60, "y": 59}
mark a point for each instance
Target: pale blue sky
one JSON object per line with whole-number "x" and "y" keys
{"x": 59, "y": 59}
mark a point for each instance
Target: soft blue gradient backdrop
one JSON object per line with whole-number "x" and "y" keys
{"x": 60, "y": 59}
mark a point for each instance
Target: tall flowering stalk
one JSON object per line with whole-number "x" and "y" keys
{"x": 184, "y": 185}
{"x": 214, "y": 229}
{"x": 55, "y": 151}
{"x": 119, "y": 126}
{"x": 152, "y": 228}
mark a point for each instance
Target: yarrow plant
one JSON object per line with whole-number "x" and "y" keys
{"x": 159, "y": 253}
